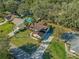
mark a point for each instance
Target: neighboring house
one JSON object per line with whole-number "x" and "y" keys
{"x": 17, "y": 21}
{"x": 75, "y": 44}
{"x": 73, "y": 40}
{"x": 13, "y": 18}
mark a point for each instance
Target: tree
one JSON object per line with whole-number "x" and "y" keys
{"x": 24, "y": 8}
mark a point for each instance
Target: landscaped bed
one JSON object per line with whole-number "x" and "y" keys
{"x": 6, "y": 28}
{"x": 23, "y": 38}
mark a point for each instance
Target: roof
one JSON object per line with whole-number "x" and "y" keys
{"x": 38, "y": 26}
{"x": 75, "y": 44}
{"x": 10, "y": 17}
{"x": 17, "y": 21}
{"x": 67, "y": 36}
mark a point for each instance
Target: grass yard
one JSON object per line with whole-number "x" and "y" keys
{"x": 56, "y": 50}
{"x": 23, "y": 38}
{"x": 73, "y": 57}
{"x": 6, "y": 28}
{"x": 1, "y": 20}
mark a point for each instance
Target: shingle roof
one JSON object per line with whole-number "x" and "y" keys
{"x": 75, "y": 44}
{"x": 17, "y": 21}
{"x": 38, "y": 26}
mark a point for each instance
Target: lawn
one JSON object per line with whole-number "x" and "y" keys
{"x": 73, "y": 57}
{"x": 6, "y": 28}
{"x": 56, "y": 50}
{"x": 1, "y": 20}
{"x": 23, "y": 38}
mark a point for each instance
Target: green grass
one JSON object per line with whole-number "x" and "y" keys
{"x": 6, "y": 28}
{"x": 73, "y": 57}
{"x": 1, "y": 20}
{"x": 23, "y": 38}
{"x": 57, "y": 50}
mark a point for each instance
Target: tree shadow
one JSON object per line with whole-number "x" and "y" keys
{"x": 29, "y": 48}
{"x": 47, "y": 55}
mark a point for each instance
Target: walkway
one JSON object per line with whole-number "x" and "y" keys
{"x": 40, "y": 51}
{"x": 32, "y": 36}
{"x": 12, "y": 33}
{"x": 4, "y": 22}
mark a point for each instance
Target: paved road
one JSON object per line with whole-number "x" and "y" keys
{"x": 4, "y": 22}
{"x": 40, "y": 51}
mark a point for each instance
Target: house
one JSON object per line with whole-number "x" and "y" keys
{"x": 41, "y": 30}
{"x": 38, "y": 26}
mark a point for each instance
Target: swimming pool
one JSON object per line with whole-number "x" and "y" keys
{"x": 47, "y": 33}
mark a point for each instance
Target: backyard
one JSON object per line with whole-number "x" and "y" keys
{"x": 6, "y": 28}
{"x": 56, "y": 49}
{"x": 23, "y": 38}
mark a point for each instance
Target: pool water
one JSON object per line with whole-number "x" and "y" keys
{"x": 47, "y": 34}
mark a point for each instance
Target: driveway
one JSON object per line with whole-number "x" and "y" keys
{"x": 40, "y": 51}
